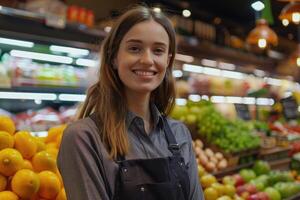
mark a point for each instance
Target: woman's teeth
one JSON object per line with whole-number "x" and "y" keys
{"x": 144, "y": 73}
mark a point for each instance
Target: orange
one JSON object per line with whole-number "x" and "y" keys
{"x": 7, "y": 124}
{"x": 61, "y": 195}
{"x": 25, "y": 183}
{"x": 8, "y": 195}
{"x": 52, "y": 151}
{"x": 51, "y": 145}
{"x": 6, "y": 140}
{"x": 59, "y": 176}
{"x": 43, "y": 161}
{"x": 3, "y": 182}
{"x": 25, "y": 144}
{"x": 58, "y": 140}
{"x": 54, "y": 132}
{"x": 10, "y": 161}
{"x": 40, "y": 144}
{"x": 27, "y": 165}
{"x": 50, "y": 185}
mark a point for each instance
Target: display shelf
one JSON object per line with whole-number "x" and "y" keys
{"x": 15, "y": 23}
{"x": 43, "y": 89}
{"x": 231, "y": 170}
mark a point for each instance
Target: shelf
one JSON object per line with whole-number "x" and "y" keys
{"x": 15, "y": 24}
{"x": 42, "y": 89}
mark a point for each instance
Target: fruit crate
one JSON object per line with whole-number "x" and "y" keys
{"x": 235, "y": 158}
{"x": 295, "y": 197}
{"x": 274, "y": 154}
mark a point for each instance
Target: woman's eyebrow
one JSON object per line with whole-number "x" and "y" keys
{"x": 139, "y": 41}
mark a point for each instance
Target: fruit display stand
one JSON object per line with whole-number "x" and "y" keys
{"x": 28, "y": 167}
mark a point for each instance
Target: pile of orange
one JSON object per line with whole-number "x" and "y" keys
{"x": 28, "y": 167}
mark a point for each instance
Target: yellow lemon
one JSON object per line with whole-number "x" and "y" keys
{"x": 6, "y": 140}
{"x": 25, "y": 183}
{"x": 10, "y": 161}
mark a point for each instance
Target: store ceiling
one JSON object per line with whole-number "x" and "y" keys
{"x": 236, "y": 15}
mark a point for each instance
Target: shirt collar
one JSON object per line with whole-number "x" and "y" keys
{"x": 156, "y": 116}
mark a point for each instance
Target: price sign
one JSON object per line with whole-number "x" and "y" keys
{"x": 242, "y": 111}
{"x": 290, "y": 108}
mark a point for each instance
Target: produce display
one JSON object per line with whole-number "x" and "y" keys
{"x": 211, "y": 161}
{"x": 216, "y": 129}
{"x": 257, "y": 183}
{"x": 28, "y": 167}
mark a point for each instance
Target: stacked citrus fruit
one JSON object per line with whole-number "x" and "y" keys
{"x": 28, "y": 169}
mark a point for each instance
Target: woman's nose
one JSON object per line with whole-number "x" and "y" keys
{"x": 146, "y": 58}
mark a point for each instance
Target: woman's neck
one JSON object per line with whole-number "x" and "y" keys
{"x": 139, "y": 104}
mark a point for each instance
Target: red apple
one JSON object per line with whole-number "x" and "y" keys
{"x": 251, "y": 188}
{"x": 238, "y": 180}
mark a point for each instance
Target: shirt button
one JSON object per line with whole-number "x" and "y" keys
{"x": 179, "y": 185}
{"x": 142, "y": 189}
{"x": 125, "y": 170}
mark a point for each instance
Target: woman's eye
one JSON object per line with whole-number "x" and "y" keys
{"x": 159, "y": 51}
{"x": 134, "y": 49}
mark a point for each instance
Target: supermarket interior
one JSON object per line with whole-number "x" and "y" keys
{"x": 237, "y": 81}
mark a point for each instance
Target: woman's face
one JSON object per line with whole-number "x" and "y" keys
{"x": 143, "y": 57}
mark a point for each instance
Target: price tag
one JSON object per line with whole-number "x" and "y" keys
{"x": 242, "y": 111}
{"x": 290, "y": 108}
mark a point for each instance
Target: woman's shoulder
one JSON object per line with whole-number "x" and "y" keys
{"x": 179, "y": 129}
{"x": 82, "y": 128}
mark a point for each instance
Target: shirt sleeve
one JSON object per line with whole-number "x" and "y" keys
{"x": 80, "y": 165}
{"x": 196, "y": 192}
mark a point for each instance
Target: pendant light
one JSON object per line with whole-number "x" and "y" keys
{"x": 262, "y": 35}
{"x": 290, "y": 13}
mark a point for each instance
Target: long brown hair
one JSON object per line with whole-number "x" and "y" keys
{"x": 106, "y": 98}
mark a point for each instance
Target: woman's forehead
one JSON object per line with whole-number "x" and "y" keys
{"x": 148, "y": 31}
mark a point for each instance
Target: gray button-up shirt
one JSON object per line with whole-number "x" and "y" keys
{"x": 83, "y": 159}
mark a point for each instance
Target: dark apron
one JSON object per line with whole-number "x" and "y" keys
{"x": 153, "y": 179}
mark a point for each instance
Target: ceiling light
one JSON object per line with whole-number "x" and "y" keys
{"x": 262, "y": 43}
{"x": 258, "y": 6}
{"x": 107, "y": 29}
{"x": 231, "y": 74}
{"x": 262, "y": 35}
{"x": 249, "y": 100}
{"x": 28, "y": 96}
{"x": 291, "y": 12}
{"x": 296, "y": 17}
{"x": 192, "y": 68}
{"x": 210, "y": 63}
{"x": 298, "y": 62}
{"x": 186, "y": 13}
{"x": 156, "y": 9}
{"x": 285, "y": 22}
{"x": 86, "y": 62}
{"x": 211, "y": 71}
{"x": 177, "y": 73}
{"x": 180, "y": 101}
{"x": 72, "y": 97}
{"x": 228, "y": 66}
{"x": 217, "y": 99}
{"x": 184, "y": 58}
{"x": 19, "y": 43}
{"x": 41, "y": 56}
{"x": 194, "y": 97}
{"x": 205, "y": 97}
{"x": 69, "y": 50}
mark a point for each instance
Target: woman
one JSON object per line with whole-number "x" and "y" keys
{"x": 123, "y": 146}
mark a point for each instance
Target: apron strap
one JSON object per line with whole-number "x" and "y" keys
{"x": 173, "y": 145}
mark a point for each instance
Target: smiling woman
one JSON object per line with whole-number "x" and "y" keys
{"x": 123, "y": 146}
